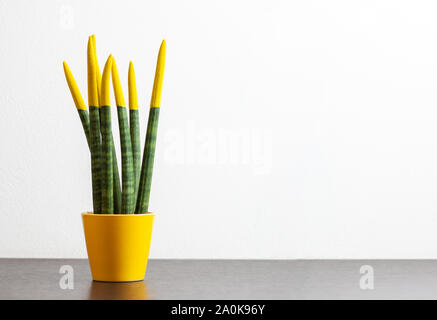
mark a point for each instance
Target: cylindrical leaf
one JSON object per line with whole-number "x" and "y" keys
{"x": 148, "y": 160}
{"x": 107, "y": 172}
{"x": 127, "y": 204}
{"x": 134, "y": 123}
{"x": 85, "y": 120}
{"x": 95, "y": 147}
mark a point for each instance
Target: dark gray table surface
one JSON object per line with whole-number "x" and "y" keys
{"x": 225, "y": 279}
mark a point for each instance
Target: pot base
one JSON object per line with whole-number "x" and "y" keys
{"x": 118, "y": 245}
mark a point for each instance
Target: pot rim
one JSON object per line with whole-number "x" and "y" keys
{"x": 88, "y": 213}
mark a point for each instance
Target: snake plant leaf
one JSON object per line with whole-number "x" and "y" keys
{"x": 88, "y": 123}
{"x": 142, "y": 205}
{"x": 134, "y": 123}
{"x": 78, "y": 101}
{"x": 98, "y": 75}
{"x": 116, "y": 175}
{"x": 93, "y": 102}
{"x": 107, "y": 141}
{"x": 127, "y": 169}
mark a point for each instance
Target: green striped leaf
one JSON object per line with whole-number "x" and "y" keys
{"x": 107, "y": 164}
{"x": 127, "y": 168}
{"x": 95, "y": 147}
{"x": 142, "y": 205}
{"x": 134, "y": 123}
{"x": 115, "y": 180}
{"x": 85, "y": 120}
{"x": 116, "y": 175}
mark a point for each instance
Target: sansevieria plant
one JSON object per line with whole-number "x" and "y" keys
{"x": 118, "y": 231}
{"x": 133, "y": 194}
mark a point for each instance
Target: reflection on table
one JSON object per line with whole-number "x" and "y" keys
{"x": 118, "y": 290}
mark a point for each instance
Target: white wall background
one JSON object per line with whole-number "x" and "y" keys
{"x": 331, "y": 107}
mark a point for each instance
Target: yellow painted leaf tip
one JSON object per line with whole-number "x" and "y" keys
{"x": 93, "y": 96}
{"x": 118, "y": 91}
{"x": 98, "y": 75}
{"x": 105, "y": 94}
{"x": 74, "y": 89}
{"x": 133, "y": 97}
{"x": 159, "y": 77}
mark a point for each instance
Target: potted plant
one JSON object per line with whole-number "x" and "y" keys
{"x": 118, "y": 231}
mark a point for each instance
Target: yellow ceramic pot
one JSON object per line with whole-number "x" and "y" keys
{"x": 118, "y": 245}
